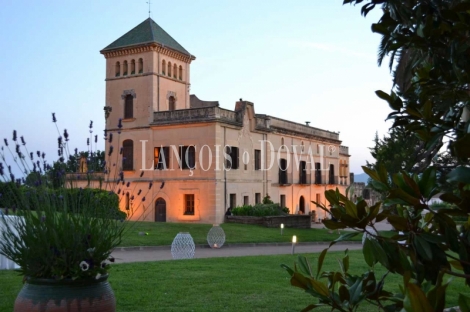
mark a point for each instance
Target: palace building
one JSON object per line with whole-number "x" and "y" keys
{"x": 210, "y": 158}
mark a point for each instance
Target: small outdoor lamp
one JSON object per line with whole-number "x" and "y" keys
{"x": 294, "y": 240}
{"x": 282, "y": 227}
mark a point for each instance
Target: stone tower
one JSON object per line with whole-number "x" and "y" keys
{"x": 147, "y": 71}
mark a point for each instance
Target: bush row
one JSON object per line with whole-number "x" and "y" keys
{"x": 260, "y": 210}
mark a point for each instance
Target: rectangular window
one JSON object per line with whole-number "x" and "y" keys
{"x": 257, "y": 160}
{"x": 283, "y": 171}
{"x": 231, "y": 163}
{"x": 233, "y": 200}
{"x": 188, "y": 157}
{"x": 246, "y": 200}
{"x": 317, "y": 173}
{"x": 161, "y": 157}
{"x": 283, "y": 201}
{"x": 257, "y": 198}
{"x": 189, "y": 204}
{"x": 303, "y": 172}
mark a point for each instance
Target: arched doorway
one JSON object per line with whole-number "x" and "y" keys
{"x": 302, "y": 205}
{"x": 160, "y": 210}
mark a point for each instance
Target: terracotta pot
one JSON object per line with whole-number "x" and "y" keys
{"x": 45, "y": 295}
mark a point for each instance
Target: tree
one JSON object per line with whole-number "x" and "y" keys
{"x": 430, "y": 99}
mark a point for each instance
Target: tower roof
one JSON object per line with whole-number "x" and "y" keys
{"x": 145, "y": 33}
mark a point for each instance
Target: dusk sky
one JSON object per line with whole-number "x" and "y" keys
{"x": 302, "y": 60}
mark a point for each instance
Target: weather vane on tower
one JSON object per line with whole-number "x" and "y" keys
{"x": 149, "y": 3}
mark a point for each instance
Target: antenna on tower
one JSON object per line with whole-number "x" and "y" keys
{"x": 149, "y": 3}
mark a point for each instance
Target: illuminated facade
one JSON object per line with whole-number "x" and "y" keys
{"x": 185, "y": 142}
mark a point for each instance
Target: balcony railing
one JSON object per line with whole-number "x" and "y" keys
{"x": 200, "y": 114}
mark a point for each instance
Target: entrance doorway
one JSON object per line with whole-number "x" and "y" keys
{"x": 302, "y": 205}
{"x": 160, "y": 210}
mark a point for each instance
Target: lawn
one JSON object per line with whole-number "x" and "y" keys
{"x": 160, "y": 233}
{"x": 215, "y": 284}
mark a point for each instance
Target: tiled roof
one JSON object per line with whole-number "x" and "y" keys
{"x": 146, "y": 32}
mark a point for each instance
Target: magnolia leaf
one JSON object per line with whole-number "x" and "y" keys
{"x": 368, "y": 252}
{"x": 320, "y": 260}
{"x": 464, "y": 303}
{"x": 459, "y": 174}
{"x": 415, "y": 300}
{"x": 422, "y": 247}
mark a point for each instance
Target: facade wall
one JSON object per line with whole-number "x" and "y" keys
{"x": 209, "y": 182}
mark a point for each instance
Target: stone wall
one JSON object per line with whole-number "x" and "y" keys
{"x": 291, "y": 221}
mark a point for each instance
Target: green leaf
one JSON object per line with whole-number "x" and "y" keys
{"x": 422, "y": 247}
{"x": 379, "y": 253}
{"x": 304, "y": 265}
{"x": 343, "y": 293}
{"x": 319, "y": 287}
{"x": 320, "y": 260}
{"x": 459, "y": 174}
{"x": 415, "y": 300}
{"x": 368, "y": 252}
{"x": 464, "y": 303}
{"x": 333, "y": 225}
{"x": 346, "y": 263}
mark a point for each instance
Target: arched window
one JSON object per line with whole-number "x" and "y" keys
{"x": 171, "y": 103}
{"x": 133, "y": 67}
{"x": 129, "y": 107}
{"x": 282, "y": 142}
{"x": 128, "y": 155}
{"x": 118, "y": 69}
{"x": 169, "y": 69}
{"x": 163, "y": 67}
{"x": 175, "y": 70}
{"x": 124, "y": 69}
{"x": 141, "y": 66}
{"x": 181, "y": 73}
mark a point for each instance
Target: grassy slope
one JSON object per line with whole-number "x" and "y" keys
{"x": 215, "y": 284}
{"x": 164, "y": 233}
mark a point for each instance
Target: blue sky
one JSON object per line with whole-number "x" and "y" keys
{"x": 302, "y": 60}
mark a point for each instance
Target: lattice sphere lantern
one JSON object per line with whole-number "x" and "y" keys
{"x": 183, "y": 246}
{"x": 216, "y": 237}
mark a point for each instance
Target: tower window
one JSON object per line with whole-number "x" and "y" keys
{"x": 133, "y": 67}
{"x": 175, "y": 70}
{"x": 181, "y": 73}
{"x": 163, "y": 67}
{"x": 128, "y": 155}
{"x": 141, "y": 66}
{"x": 129, "y": 107}
{"x": 125, "y": 69}
{"x": 169, "y": 69}
{"x": 118, "y": 69}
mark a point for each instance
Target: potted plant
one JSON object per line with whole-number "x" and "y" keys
{"x": 61, "y": 235}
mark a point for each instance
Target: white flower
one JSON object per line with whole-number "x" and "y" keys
{"x": 91, "y": 250}
{"x": 98, "y": 276}
{"x": 84, "y": 266}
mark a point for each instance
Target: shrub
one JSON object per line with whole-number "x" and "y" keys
{"x": 259, "y": 210}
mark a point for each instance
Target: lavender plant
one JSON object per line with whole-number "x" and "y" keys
{"x": 51, "y": 227}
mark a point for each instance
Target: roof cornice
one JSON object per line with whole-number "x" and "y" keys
{"x": 151, "y": 46}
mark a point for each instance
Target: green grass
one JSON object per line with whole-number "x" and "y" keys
{"x": 163, "y": 234}
{"x": 215, "y": 284}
